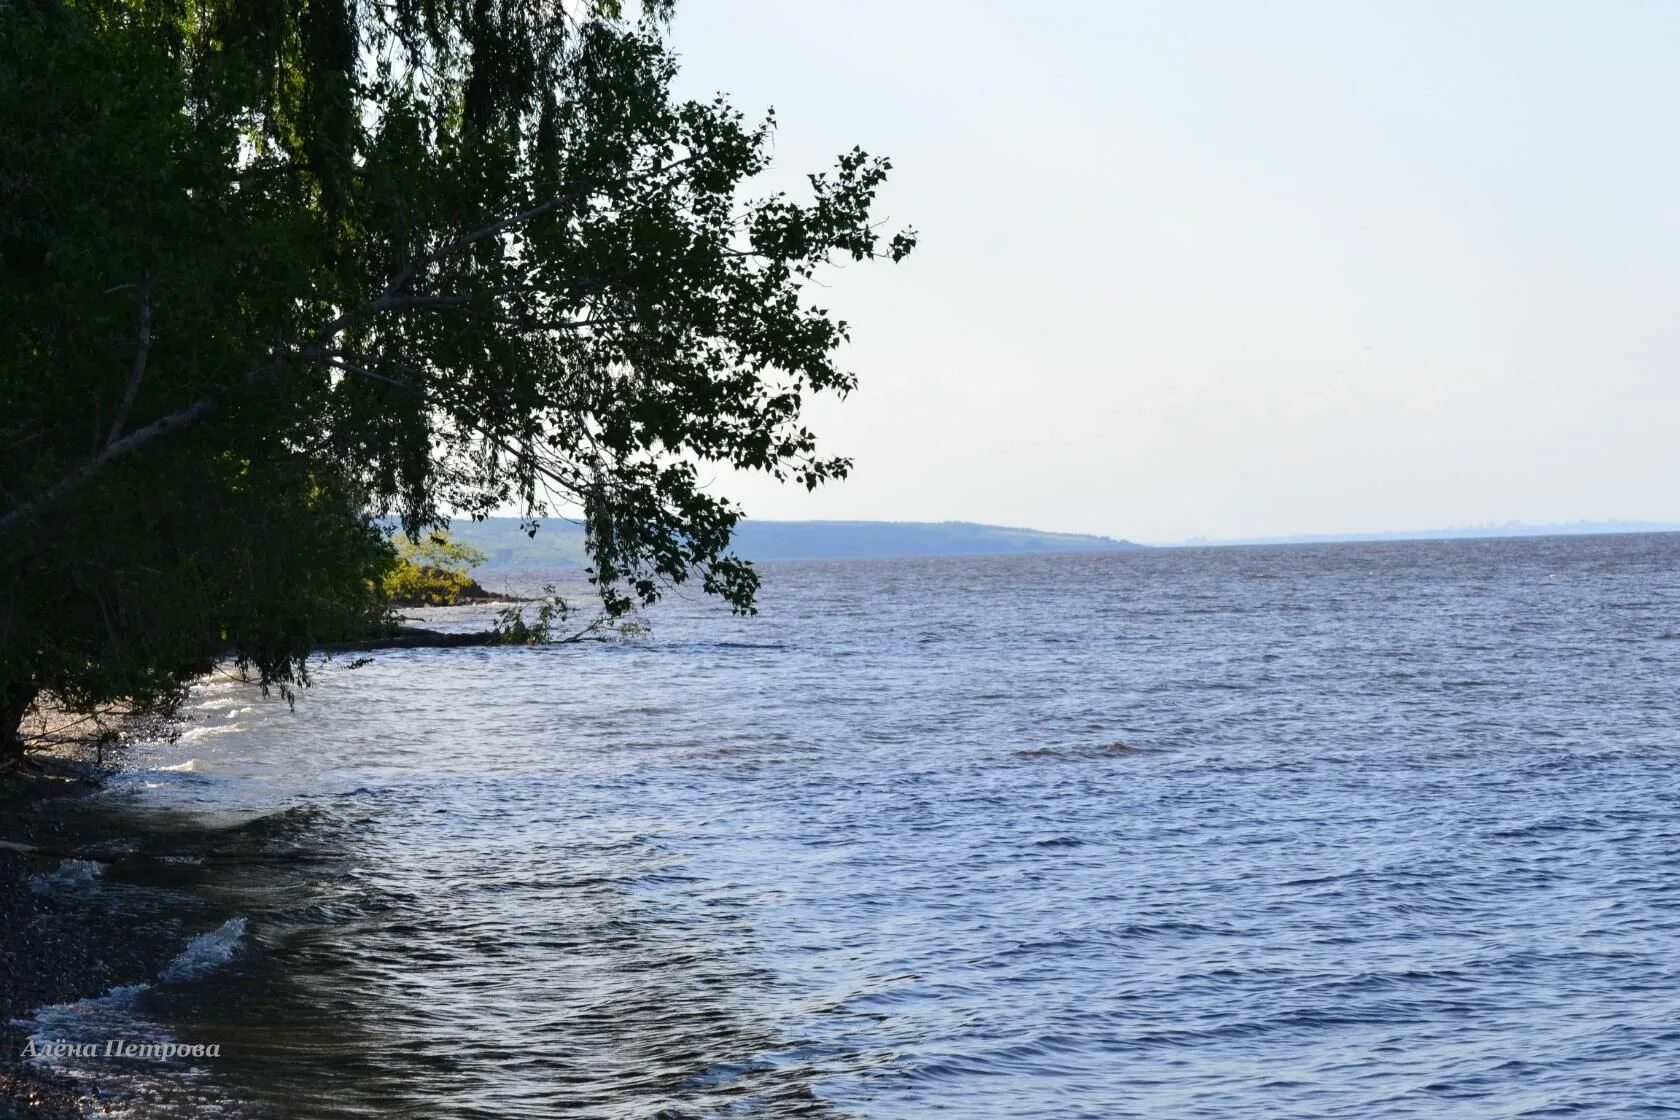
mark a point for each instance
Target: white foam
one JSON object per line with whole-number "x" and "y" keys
{"x": 83, "y": 1018}
{"x": 190, "y": 766}
{"x": 206, "y": 952}
{"x": 113, "y": 1015}
{"x": 207, "y": 732}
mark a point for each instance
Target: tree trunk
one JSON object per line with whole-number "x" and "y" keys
{"x": 15, "y": 700}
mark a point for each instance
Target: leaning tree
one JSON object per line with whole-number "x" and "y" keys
{"x": 271, "y": 270}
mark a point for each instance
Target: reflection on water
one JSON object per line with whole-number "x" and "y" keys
{"x": 1350, "y": 830}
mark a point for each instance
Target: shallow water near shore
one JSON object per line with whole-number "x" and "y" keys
{"x": 1349, "y": 830}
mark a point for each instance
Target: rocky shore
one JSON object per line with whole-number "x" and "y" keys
{"x": 48, "y": 954}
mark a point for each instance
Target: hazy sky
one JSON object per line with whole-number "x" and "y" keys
{"x": 1234, "y": 269}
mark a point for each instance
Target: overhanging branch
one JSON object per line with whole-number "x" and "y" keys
{"x": 140, "y": 353}
{"x": 394, "y": 297}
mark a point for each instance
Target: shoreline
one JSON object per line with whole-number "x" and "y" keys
{"x": 48, "y": 953}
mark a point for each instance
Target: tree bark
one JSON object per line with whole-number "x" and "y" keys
{"x": 15, "y": 699}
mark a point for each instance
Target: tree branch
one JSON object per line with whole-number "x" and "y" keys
{"x": 121, "y": 448}
{"x": 390, "y": 299}
{"x": 337, "y": 362}
{"x": 139, "y": 361}
{"x": 524, "y": 217}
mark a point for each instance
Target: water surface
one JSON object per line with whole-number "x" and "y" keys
{"x": 1346, "y": 830}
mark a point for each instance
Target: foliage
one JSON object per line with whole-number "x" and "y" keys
{"x": 513, "y": 629}
{"x": 272, "y": 268}
{"x": 432, "y": 571}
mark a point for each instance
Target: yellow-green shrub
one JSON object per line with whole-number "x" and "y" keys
{"x": 431, "y": 572}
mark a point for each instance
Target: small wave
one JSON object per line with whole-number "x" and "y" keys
{"x": 197, "y": 733}
{"x": 722, "y": 1074}
{"x": 71, "y": 876}
{"x": 217, "y": 704}
{"x": 206, "y": 952}
{"x": 1561, "y": 823}
{"x": 83, "y": 1018}
{"x": 1171, "y": 929}
{"x": 1115, "y": 749}
{"x": 114, "y": 1014}
{"x": 190, "y": 766}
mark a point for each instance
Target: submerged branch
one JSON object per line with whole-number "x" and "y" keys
{"x": 413, "y": 637}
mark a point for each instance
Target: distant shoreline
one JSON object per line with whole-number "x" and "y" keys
{"x": 1477, "y": 533}
{"x": 560, "y": 543}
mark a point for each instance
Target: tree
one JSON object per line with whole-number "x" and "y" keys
{"x": 270, "y": 269}
{"x": 432, "y": 571}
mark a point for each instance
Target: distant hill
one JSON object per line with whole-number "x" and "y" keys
{"x": 560, "y": 543}
{"x": 1466, "y": 532}
{"x": 820, "y": 540}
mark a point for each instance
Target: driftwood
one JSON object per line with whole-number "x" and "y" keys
{"x": 32, "y": 850}
{"x": 412, "y": 637}
{"x": 44, "y": 766}
{"x": 53, "y": 853}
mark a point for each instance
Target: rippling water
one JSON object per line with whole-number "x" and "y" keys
{"x": 1343, "y": 831}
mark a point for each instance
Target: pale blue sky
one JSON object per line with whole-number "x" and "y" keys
{"x": 1233, "y": 269}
